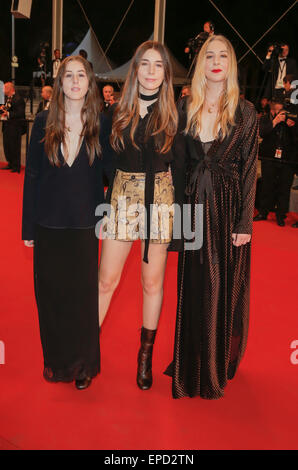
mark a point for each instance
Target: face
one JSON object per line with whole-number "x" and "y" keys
{"x": 287, "y": 86}
{"x": 45, "y": 93}
{"x": 285, "y": 51}
{"x": 75, "y": 81}
{"x": 107, "y": 92}
{"x": 57, "y": 54}
{"x": 264, "y": 102}
{"x": 151, "y": 72}
{"x": 185, "y": 92}
{"x": 8, "y": 89}
{"x": 217, "y": 61}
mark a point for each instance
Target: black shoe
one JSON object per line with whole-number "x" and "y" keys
{"x": 84, "y": 383}
{"x": 295, "y": 225}
{"x": 259, "y": 217}
{"x": 8, "y": 167}
{"x": 280, "y": 221}
{"x": 15, "y": 170}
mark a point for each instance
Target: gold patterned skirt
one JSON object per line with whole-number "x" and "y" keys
{"x": 127, "y": 220}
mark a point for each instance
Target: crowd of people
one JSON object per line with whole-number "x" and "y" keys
{"x": 181, "y": 177}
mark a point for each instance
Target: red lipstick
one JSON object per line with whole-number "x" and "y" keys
{"x": 216, "y": 70}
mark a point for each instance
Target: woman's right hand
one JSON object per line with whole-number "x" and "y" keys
{"x": 29, "y": 243}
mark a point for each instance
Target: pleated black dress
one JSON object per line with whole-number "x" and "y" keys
{"x": 213, "y": 282}
{"x": 59, "y": 215}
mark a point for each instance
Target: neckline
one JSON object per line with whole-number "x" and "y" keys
{"x": 149, "y": 110}
{"x": 76, "y": 157}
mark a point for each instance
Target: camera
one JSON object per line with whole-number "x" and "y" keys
{"x": 290, "y": 114}
{"x": 277, "y": 50}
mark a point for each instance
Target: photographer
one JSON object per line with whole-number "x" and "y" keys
{"x": 194, "y": 44}
{"x": 108, "y": 98}
{"x": 46, "y": 94}
{"x": 277, "y": 65}
{"x": 13, "y": 116}
{"x": 278, "y": 152}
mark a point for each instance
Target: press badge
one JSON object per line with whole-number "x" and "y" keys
{"x": 278, "y": 153}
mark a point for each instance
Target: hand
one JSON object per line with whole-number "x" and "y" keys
{"x": 280, "y": 117}
{"x": 290, "y": 122}
{"x": 240, "y": 238}
{"x": 3, "y": 111}
{"x": 29, "y": 243}
{"x": 169, "y": 175}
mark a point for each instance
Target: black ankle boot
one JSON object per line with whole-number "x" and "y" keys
{"x": 84, "y": 383}
{"x": 144, "y": 372}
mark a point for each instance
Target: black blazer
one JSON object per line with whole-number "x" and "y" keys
{"x": 41, "y": 106}
{"x": 48, "y": 189}
{"x": 16, "y": 113}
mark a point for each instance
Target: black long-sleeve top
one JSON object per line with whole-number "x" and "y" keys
{"x": 65, "y": 196}
{"x": 134, "y": 160}
{"x": 148, "y": 160}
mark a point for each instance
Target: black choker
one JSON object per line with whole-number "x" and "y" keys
{"x": 149, "y": 97}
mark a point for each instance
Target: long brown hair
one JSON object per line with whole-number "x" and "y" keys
{"x": 163, "y": 121}
{"x": 55, "y": 127}
{"x": 228, "y": 101}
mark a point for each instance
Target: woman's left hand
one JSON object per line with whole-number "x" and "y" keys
{"x": 169, "y": 174}
{"x": 240, "y": 238}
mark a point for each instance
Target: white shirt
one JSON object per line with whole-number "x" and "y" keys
{"x": 56, "y": 65}
{"x": 281, "y": 72}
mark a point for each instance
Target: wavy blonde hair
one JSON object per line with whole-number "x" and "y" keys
{"x": 229, "y": 98}
{"x": 55, "y": 126}
{"x": 163, "y": 121}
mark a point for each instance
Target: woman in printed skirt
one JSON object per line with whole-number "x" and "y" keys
{"x": 213, "y": 287}
{"x": 63, "y": 186}
{"x": 149, "y": 175}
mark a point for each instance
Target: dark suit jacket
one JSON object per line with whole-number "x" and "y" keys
{"x": 41, "y": 106}
{"x": 16, "y": 113}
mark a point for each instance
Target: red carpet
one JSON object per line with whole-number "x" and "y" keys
{"x": 259, "y": 410}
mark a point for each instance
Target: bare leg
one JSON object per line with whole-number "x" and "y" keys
{"x": 152, "y": 280}
{"x": 113, "y": 256}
